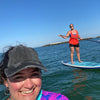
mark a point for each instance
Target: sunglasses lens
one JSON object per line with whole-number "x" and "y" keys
{"x": 71, "y": 26}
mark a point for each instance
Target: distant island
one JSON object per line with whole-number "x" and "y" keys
{"x": 68, "y": 41}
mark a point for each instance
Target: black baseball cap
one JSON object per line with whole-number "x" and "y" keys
{"x": 22, "y": 57}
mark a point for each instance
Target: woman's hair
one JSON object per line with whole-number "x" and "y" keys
{"x": 70, "y": 25}
{"x": 3, "y": 64}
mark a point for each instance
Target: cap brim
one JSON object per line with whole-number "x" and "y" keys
{"x": 15, "y": 69}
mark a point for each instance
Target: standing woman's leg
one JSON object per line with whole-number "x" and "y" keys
{"x": 71, "y": 54}
{"x": 78, "y": 53}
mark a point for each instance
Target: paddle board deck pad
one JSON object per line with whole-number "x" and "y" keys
{"x": 86, "y": 65}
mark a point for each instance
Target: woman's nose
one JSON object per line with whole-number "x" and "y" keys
{"x": 28, "y": 83}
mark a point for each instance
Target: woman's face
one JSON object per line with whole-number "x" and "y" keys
{"x": 25, "y": 85}
{"x": 71, "y": 26}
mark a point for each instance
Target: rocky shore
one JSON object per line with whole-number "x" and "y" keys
{"x": 67, "y": 41}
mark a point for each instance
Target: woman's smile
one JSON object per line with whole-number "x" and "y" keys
{"x": 26, "y": 92}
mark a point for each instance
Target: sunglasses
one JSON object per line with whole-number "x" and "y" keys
{"x": 71, "y": 26}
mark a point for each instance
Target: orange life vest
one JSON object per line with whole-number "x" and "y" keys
{"x": 74, "y": 38}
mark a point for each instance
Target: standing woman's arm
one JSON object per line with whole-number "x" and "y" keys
{"x": 79, "y": 36}
{"x": 67, "y": 35}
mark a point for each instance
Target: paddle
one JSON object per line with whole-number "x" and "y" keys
{"x": 98, "y": 41}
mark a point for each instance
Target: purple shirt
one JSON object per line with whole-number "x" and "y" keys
{"x": 52, "y": 96}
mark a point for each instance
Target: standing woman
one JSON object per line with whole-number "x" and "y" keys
{"x": 73, "y": 42}
{"x": 20, "y": 70}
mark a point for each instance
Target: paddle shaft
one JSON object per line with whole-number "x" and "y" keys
{"x": 93, "y": 41}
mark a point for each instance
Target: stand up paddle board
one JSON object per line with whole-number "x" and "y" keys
{"x": 84, "y": 64}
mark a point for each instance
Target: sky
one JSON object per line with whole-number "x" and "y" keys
{"x": 39, "y": 22}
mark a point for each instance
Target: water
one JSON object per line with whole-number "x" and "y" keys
{"x": 76, "y": 84}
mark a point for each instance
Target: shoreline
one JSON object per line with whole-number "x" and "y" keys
{"x": 57, "y": 43}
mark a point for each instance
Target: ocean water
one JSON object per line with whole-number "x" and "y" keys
{"x": 75, "y": 83}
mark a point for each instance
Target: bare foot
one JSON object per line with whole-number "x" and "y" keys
{"x": 72, "y": 62}
{"x": 80, "y": 61}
